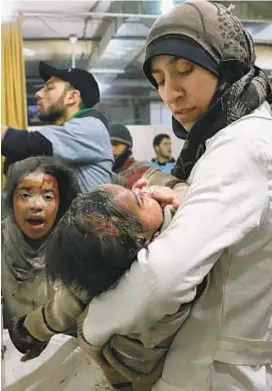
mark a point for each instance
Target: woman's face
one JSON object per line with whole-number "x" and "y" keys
{"x": 35, "y": 204}
{"x": 140, "y": 204}
{"x": 186, "y": 88}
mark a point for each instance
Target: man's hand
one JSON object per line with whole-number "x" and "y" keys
{"x": 23, "y": 340}
{"x": 164, "y": 195}
{"x": 3, "y": 131}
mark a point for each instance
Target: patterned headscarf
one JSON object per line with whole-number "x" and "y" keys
{"x": 243, "y": 87}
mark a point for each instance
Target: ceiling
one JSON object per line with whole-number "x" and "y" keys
{"x": 110, "y": 39}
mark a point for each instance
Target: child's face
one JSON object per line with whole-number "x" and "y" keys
{"x": 140, "y": 204}
{"x": 35, "y": 204}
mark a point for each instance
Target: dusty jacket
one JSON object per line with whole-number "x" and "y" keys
{"x": 23, "y": 297}
{"x": 23, "y": 281}
{"x": 224, "y": 229}
{"x": 130, "y": 172}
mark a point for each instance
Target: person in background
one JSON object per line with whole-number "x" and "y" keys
{"x": 162, "y": 145}
{"x": 128, "y": 170}
{"x": 76, "y": 132}
{"x": 39, "y": 192}
{"x": 201, "y": 59}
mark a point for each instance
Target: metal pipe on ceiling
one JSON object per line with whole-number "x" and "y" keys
{"x": 34, "y": 14}
{"x": 59, "y": 49}
{"x": 89, "y": 14}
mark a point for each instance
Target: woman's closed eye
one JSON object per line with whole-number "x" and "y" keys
{"x": 160, "y": 82}
{"x": 158, "y": 77}
{"x": 184, "y": 70}
{"x": 186, "y": 73}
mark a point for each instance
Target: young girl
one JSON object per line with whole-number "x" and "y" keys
{"x": 39, "y": 190}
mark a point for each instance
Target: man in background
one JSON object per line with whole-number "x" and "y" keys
{"x": 76, "y": 133}
{"x": 162, "y": 145}
{"x": 126, "y": 168}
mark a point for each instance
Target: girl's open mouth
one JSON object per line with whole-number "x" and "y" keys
{"x": 35, "y": 222}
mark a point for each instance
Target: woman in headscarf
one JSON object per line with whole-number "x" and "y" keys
{"x": 39, "y": 190}
{"x": 202, "y": 61}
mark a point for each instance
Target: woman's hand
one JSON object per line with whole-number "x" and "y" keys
{"x": 164, "y": 195}
{"x": 23, "y": 340}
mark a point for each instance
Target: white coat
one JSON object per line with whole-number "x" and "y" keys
{"x": 223, "y": 229}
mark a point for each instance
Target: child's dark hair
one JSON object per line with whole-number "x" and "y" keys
{"x": 93, "y": 244}
{"x": 67, "y": 184}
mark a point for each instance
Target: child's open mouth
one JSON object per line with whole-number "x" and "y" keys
{"x": 35, "y": 221}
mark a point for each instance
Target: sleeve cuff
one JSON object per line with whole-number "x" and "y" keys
{"x": 36, "y": 326}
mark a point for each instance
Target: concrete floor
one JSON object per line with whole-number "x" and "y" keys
{"x": 60, "y": 367}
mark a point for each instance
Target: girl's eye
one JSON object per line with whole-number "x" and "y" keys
{"x": 24, "y": 196}
{"x": 48, "y": 197}
{"x": 136, "y": 198}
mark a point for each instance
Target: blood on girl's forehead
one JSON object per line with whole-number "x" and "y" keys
{"x": 40, "y": 180}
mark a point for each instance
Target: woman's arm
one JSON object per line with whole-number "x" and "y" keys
{"x": 226, "y": 200}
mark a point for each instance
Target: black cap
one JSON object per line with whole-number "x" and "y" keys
{"x": 79, "y": 78}
{"x": 120, "y": 134}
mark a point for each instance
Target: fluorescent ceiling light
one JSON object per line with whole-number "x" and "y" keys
{"x": 106, "y": 70}
{"x": 28, "y": 52}
{"x": 166, "y": 6}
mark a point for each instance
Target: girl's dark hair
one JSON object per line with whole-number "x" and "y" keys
{"x": 93, "y": 244}
{"x": 67, "y": 184}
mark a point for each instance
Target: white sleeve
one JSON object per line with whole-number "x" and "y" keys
{"x": 227, "y": 198}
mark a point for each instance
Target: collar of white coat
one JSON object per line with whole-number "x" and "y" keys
{"x": 263, "y": 111}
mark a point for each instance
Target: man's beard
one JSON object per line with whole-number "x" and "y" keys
{"x": 51, "y": 116}
{"x": 168, "y": 156}
{"x": 54, "y": 112}
{"x": 120, "y": 160}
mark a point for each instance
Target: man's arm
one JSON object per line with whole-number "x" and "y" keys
{"x": 20, "y": 144}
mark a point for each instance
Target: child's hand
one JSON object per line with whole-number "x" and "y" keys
{"x": 34, "y": 352}
{"x": 23, "y": 340}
